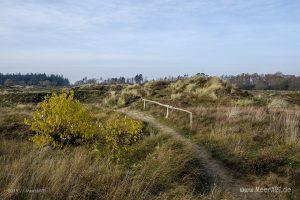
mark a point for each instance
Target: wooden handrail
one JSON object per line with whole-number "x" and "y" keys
{"x": 170, "y": 107}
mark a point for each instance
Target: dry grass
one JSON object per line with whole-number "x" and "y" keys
{"x": 292, "y": 128}
{"x": 176, "y": 96}
{"x": 259, "y": 137}
{"x": 278, "y": 103}
{"x": 178, "y": 85}
{"x": 160, "y": 167}
{"x": 210, "y": 88}
{"x": 62, "y": 174}
{"x": 244, "y": 102}
{"x": 234, "y": 112}
{"x": 111, "y": 100}
{"x": 255, "y": 141}
{"x": 169, "y": 170}
{"x": 199, "y": 86}
{"x": 135, "y": 90}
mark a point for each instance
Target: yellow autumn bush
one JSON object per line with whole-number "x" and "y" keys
{"x": 120, "y": 133}
{"x": 61, "y": 120}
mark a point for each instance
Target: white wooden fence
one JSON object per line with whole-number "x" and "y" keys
{"x": 170, "y": 107}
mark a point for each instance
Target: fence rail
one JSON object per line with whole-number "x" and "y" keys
{"x": 170, "y": 107}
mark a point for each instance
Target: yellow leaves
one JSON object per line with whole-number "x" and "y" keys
{"x": 120, "y": 133}
{"x": 59, "y": 120}
{"x": 41, "y": 140}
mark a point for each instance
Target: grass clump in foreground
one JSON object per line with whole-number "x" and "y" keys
{"x": 161, "y": 167}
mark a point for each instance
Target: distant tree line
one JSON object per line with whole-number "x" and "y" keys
{"x": 137, "y": 79}
{"x": 277, "y": 81}
{"x": 33, "y": 79}
{"x": 117, "y": 80}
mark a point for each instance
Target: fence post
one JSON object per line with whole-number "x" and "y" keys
{"x": 170, "y": 107}
{"x": 167, "y": 112}
{"x": 191, "y": 120}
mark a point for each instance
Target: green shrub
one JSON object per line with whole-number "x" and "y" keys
{"x": 60, "y": 120}
{"x": 120, "y": 133}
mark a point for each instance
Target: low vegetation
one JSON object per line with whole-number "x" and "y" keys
{"x": 127, "y": 159}
{"x": 60, "y": 120}
{"x": 258, "y": 137}
{"x": 165, "y": 169}
{"x": 119, "y": 133}
{"x": 86, "y": 150}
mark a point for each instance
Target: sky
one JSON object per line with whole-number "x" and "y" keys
{"x": 109, "y": 38}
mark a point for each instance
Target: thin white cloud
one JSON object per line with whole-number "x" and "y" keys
{"x": 70, "y": 56}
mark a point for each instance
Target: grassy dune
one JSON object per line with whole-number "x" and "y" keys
{"x": 257, "y": 136}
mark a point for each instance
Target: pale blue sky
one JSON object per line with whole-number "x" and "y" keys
{"x": 107, "y": 38}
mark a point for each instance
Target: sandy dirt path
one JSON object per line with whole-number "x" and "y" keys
{"x": 222, "y": 176}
